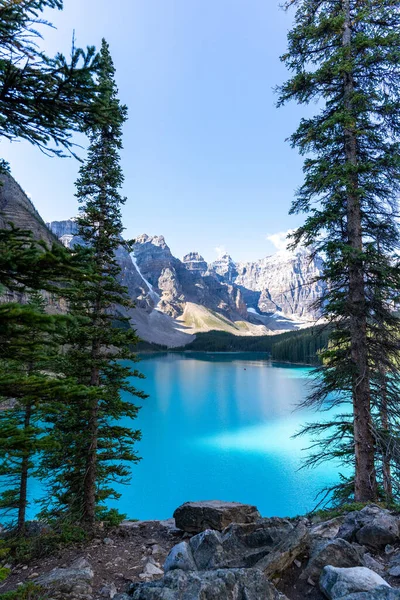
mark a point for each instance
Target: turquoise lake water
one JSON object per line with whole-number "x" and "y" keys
{"x": 220, "y": 426}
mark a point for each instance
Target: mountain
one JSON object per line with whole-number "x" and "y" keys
{"x": 175, "y": 298}
{"x": 287, "y": 282}
{"x": 16, "y": 207}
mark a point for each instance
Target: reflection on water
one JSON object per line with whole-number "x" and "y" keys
{"x": 221, "y": 426}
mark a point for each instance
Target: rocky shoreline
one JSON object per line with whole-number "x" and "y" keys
{"x": 227, "y": 551}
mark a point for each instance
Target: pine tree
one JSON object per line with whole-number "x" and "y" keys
{"x": 42, "y": 99}
{"x": 346, "y": 54}
{"x": 30, "y": 264}
{"x": 28, "y": 349}
{"x": 94, "y": 448}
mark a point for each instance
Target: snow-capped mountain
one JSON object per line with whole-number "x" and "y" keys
{"x": 273, "y": 294}
{"x": 177, "y": 298}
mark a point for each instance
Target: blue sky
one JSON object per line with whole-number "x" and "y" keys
{"x": 205, "y": 158}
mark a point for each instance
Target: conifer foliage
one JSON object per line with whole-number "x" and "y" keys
{"x": 345, "y": 54}
{"x": 42, "y": 99}
{"x": 94, "y": 447}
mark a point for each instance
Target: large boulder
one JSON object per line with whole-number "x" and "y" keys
{"x": 75, "y": 580}
{"x": 371, "y": 526}
{"x": 194, "y": 517}
{"x": 283, "y": 554}
{"x": 271, "y": 545}
{"x": 337, "y": 553}
{"x": 180, "y": 557}
{"x": 336, "y": 582}
{"x": 379, "y": 593}
{"x": 221, "y": 584}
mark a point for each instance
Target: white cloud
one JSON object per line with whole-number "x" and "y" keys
{"x": 220, "y": 250}
{"x": 279, "y": 240}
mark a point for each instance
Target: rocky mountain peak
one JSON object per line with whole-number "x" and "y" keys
{"x": 154, "y": 240}
{"x": 225, "y": 268}
{"x": 195, "y": 262}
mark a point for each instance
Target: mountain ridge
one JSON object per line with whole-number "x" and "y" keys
{"x": 176, "y": 298}
{"x": 188, "y": 296}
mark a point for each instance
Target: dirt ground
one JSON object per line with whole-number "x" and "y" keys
{"x": 119, "y": 557}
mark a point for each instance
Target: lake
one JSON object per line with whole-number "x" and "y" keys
{"x": 220, "y": 426}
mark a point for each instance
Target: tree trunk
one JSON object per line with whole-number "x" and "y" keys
{"x": 364, "y": 443}
{"x": 386, "y": 467}
{"x": 89, "y": 486}
{"x": 23, "y": 487}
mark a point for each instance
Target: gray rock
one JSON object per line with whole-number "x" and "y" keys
{"x": 327, "y": 529}
{"x": 336, "y": 582}
{"x": 75, "y": 580}
{"x": 180, "y": 557}
{"x": 337, "y": 553}
{"x": 36, "y": 528}
{"x": 207, "y": 550}
{"x": 271, "y": 545}
{"x": 122, "y": 596}
{"x": 108, "y": 541}
{"x": 372, "y": 526}
{"x": 382, "y": 530}
{"x": 221, "y": 584}
{"x": 108, "y": 591}
{"x": 286, "y": 551}
{"x": 152, "y": 570}
{"x": 195, "y": 517}
{"x": 379, "y": 593}
{"x": 371, "y": 563}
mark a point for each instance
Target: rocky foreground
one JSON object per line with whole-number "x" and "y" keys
{"x": 227, "y": 551}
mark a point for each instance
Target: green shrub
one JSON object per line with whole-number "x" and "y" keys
{"x": 23, "y": 549}
{"x": 29, "y": 591}
{"x": 110, "y": 517}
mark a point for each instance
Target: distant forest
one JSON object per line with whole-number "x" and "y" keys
{"x": 293, "y": 346}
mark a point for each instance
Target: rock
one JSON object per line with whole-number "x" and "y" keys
{"x": 371, "y": 526}
{"x": 382, "y": 530}
{"x": 221, "y": 584}
{"x": 152, "y": 570}
{"x": 270, "y": 545}
{"x": 108, "y": 541}
{"x": 108, "y": 591}
{"x": 36, "y": 528}
{"x": 327, "y": 529}
{"x": 180, "y": 557}
{"x": 75, "y": 580}
{"x": 395, "y": 571}
{"x": 195, "y": 517}
{"x": 337, "y": 583}
{"x": 373, "y": 564}
{"x": 337, "y": 553}
{"x": 122, "y": 596}
{"x": 297, "y": 563}
{"x": 379, "y": 593}
{"x": 208, "y": 552}
{"x": 286, "y": 551}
